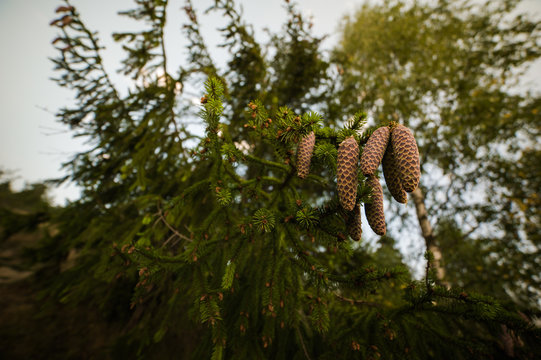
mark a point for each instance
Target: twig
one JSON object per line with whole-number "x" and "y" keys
{"x": 175, "y": 231}
{"x": 427, "y": 281}
{"x": 168, "y": 78}
{"x": 234, "y": 175}
{"x": 169, "y": 239}
{"x": 302, "y": 343}
{"x": 267, "y": 163}
{"x": 358, "y": 302}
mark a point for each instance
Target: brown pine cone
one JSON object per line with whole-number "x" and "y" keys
{"x": 304, "y": 154}
{"x": 354, "y": 223}
{"x": 346, "y": 172}
{"x": 374, "y": 210}
{"x": 407, "y": 157}
{"x": 373, "y": 150}
{"x": 392, "y": 176}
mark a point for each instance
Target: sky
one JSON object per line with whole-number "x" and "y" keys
{"x": 33, "y": 145}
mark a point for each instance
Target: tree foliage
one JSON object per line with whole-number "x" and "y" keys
{"x": 23, "y": 210}
{"x": 206, "y": 244}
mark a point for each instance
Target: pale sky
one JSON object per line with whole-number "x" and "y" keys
{"x": 32, "y": 144}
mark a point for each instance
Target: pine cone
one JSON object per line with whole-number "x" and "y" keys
{"x": 373, "y": 150}
{"x": 374, "y": 210}
{"x": 354, "y": 223}
{"x": 346, "y": 172}
{"x": 406, "y": 156}
{"x": 392, "y": 176}
{"x": 304, "y": 154}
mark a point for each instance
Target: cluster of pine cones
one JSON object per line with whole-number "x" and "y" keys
{"x": 394, "y": 146}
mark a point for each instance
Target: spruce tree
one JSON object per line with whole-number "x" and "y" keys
{"x": 209, "y": 245}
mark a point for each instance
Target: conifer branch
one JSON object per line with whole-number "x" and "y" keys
{"x": 428, "y": 276}
{"x": 198, "y": 52}
{"x": 284, "y": 184}
{"x": 175, "y": 231}
{"x": 170, "y": 86}
{"x": 92, "y": 91}
{"x": 357, "y": 302}
{"x": 162, "y": 43}
{"x": 264, "y": 179}
{"x": 95, "y": 47}
{"x": 317, "y": 179}
{"x": 268, "y": 163}
{"x": 229, "y": 171}
{"x": 181, "y": 258}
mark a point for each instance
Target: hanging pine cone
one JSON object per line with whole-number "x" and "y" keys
{"x": 304, "y": 154}
{"x": 346, "y": 172}
{"x": 373, "y": 150}
{"x": 392, "y": 176}
{"x": 354, "y": 223}
{"x": 374, "y": 210}
{"x": 407, "y": 157}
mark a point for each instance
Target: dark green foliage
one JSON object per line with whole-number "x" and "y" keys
{"x": 22, "y": 211}
{"x": 211, "y": 237}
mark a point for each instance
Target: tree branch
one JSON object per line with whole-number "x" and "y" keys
{"x": 428, "y": 234}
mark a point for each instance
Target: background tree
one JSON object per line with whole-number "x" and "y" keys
{"x": 450, "y": 70}
{"x": 205, "y": 243}
{"x": 22, "y": 210}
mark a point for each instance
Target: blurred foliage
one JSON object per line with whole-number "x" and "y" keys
{"x": 23, "y": 210}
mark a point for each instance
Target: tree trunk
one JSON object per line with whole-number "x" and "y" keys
{"x": 428, "y": 234}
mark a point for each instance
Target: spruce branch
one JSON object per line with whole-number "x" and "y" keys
{"x": 173, "y": 230}
{"x": 181, "y": 258}
{"x": 162, "y": 20}
{"x": 92, "y": 82}
{"x": 95, "y": 48}
{"x": 307, "y": 218}
{"x": 199, "y": 55}
{"x": 267, "y": 163}
{"x": 264, "y": 219}
{"x": 428, "y": 276}
{"x": 357, "y": 302}
{"x": 229, "y": 274}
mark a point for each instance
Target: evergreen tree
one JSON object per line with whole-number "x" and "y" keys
{"x": 218, "y": 249}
